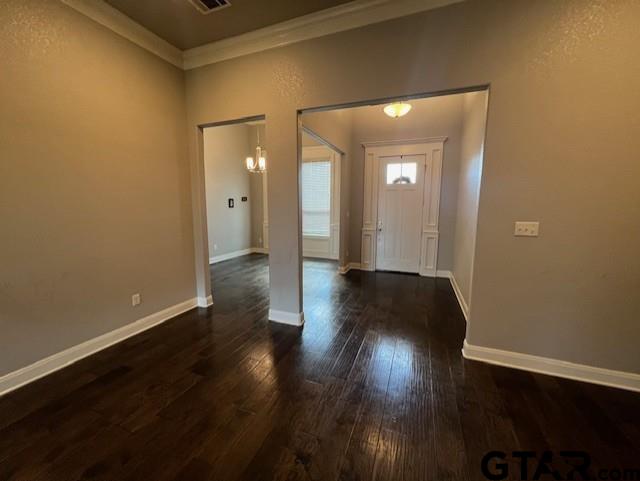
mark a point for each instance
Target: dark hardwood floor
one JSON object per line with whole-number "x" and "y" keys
{"x": 373, "y": 388}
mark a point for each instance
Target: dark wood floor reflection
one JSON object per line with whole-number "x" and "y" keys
{"x": 373, "y": 388}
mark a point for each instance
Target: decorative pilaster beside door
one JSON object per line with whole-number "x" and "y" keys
{"x": 369, "y": 211}
{"x": 401, "y": 204}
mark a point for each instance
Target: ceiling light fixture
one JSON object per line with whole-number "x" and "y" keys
{"x": 397, "y": 109}
{"x": 258, "y": 164}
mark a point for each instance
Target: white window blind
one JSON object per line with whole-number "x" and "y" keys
{"x": 316, "y": 198}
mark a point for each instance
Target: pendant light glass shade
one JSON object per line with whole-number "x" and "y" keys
{"x": 397, "y": 109}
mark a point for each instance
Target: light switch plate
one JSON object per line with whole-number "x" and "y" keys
{"x": 135, "y": 300}
{"x": 526, "y": 229}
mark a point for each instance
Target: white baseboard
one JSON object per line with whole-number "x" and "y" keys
{"x": 553, "y": 367}
{"x": 284, "y": 317}
{"x": 463, "y": 304}
{"x": 357, "y": 266}
{"x": 205, "y": 301}
{"x": 55, "y": 362}
{"x": 234, "y": 254}
{"x": 350, "y": 266}
{"x": 229, "y": 255}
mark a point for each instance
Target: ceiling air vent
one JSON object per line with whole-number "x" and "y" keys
{"x": 208, "y": 6}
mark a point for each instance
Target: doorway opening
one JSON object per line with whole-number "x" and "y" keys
{"x": 411, "y": 183}
{"x": 236, "y": 206}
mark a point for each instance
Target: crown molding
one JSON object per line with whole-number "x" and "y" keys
{"x": 318, "y": 24}
{"x": 357, "y": 13}
{"x": 104, "y": 14}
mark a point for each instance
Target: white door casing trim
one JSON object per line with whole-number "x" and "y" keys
{"x": 433, "y": 149}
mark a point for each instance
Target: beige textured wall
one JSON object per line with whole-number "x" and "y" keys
{"x": 94, "y": 182}
{"x": 309, "y": 141}
{"x": 225, "y": 149}
{"x": 561, "y": 148}
{"x": 466, "y": 221}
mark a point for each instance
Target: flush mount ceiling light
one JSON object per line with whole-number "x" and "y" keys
{"x": 258, "y": 164}
{"x": 397, "y": 109}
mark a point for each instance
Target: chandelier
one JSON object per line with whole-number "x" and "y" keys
{"x": 257, "y": 164}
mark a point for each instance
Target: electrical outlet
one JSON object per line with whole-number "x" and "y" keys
{"x": 215, "y": 247}
{"x": 526, "y": 229}
{"x": 135, "y": 300}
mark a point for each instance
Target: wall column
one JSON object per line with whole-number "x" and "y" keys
{"x": 285, "y": 239}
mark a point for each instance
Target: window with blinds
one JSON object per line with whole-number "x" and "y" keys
{"x": 316, "y": 198}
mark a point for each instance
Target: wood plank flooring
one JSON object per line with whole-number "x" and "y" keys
{"x": 373, "y": 388}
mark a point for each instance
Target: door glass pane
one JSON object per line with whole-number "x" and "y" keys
{"x": 409, "y": 172}
{"x": 404, "y": 173}
{"x": 393, "y": 172}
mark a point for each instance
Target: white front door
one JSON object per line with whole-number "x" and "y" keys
{"x": 400, "y": 199}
